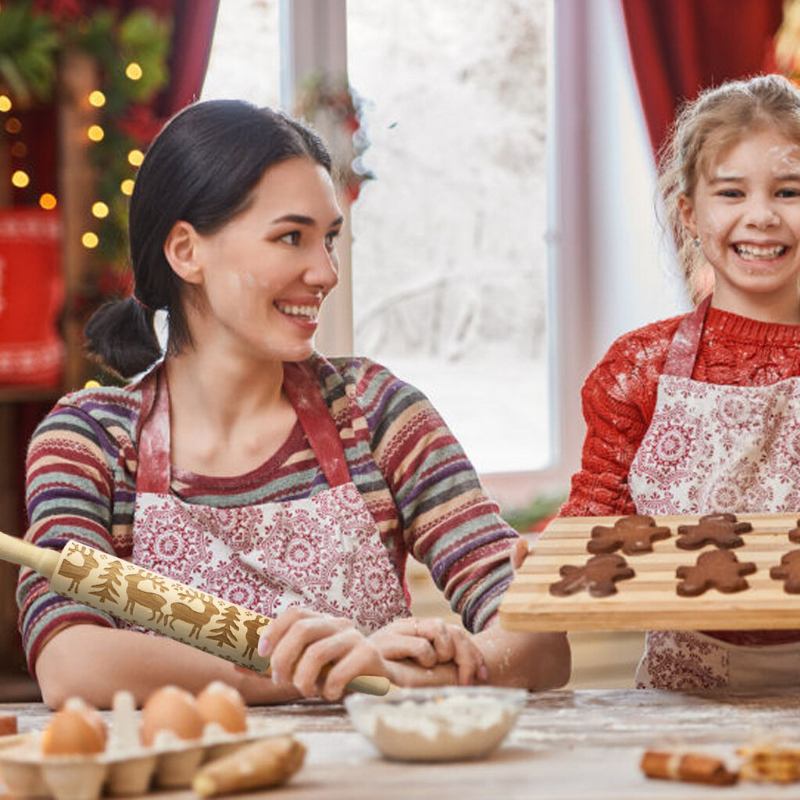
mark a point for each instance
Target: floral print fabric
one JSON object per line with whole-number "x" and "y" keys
{"x": 710, "y": 449}
{"x": 322, "y": 552}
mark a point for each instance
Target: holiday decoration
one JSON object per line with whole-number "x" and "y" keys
{"x": 129, "y": 52}
{"x": 335, "y": 111}
{"x": 787, "y": 42}
{"x": 31, "y": 350}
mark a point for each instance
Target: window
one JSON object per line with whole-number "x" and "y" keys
{"x": 449, "y": 252}
{"x": 245, "y": 54}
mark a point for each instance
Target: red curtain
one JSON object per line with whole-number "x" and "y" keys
{"x": 193, "y": 30}
{"x": 679, "y": 47}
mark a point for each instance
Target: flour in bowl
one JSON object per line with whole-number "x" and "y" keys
{"x": 439, "y": 726}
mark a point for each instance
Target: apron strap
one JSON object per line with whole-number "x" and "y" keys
{"x": 303, "y": 390}
{"x": 683, "y": 348}
{"x": 154, "y": 471}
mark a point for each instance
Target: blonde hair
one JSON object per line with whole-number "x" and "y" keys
{"x": 704, "y": 128}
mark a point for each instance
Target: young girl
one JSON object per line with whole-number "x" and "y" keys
{"x": 251, "y": 467}
{"x": 701, "y": 413}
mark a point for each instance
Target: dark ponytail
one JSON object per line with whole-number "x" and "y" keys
{"x": 201, "y": 168}
{"x": 121, "y": 336}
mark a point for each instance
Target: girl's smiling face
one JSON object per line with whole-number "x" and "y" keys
{"x": 263, "y": 275}
{"x": 745, "y": 210}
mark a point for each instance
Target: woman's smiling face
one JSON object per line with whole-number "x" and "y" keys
{"x": 265, "y": 273}
{"x": 745, "y": 210}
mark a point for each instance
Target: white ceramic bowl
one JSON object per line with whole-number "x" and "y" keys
{"x": 450, "y": 723}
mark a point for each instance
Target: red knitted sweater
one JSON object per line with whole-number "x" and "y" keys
{"x": 619, "y": 398}
{"x": 619, "y": 395}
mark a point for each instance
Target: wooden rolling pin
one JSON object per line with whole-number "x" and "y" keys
{"x": 156, "y": 602}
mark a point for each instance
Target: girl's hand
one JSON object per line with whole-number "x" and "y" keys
{"x": 319, "y": 654}
{"x": 429, "y": 642}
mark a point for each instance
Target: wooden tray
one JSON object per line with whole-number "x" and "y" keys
{"x": 649, "y": 600}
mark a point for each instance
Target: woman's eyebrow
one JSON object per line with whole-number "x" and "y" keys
{"x": 298, "y": 219}
{"x": 302, "y": 219}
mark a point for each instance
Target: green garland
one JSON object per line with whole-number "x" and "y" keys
{"x": 31, "y": 41}
{"x": 532, "y": 517}
{"x": 28, "y": 47}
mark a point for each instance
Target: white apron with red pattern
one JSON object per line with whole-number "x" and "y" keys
{"x": 323, "y": 552}
{"x": 711, "y": 449}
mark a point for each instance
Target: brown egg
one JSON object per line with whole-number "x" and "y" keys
{"x": 78, "y": 729}
{"x": 8, "y": 724}
{"x": 222, "y": 704}
{"x": 173, "y": 710}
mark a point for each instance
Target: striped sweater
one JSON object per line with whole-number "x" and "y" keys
{"x": 412, "y": 473}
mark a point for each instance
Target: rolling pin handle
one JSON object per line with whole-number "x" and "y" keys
{"x": 25, "y": 554}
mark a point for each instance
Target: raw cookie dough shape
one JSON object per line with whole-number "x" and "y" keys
{"x": 715, "y": 569}
{"x": 788, "y": 571}
{"x": 721, "y": 530}
{"x": 794, "y": 533}
{"x": 633, "y": 534}
{"x": 598, "y": 576}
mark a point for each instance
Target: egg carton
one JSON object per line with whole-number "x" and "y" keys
{"x": 125, "y": 768}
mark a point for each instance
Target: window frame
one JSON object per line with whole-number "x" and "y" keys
{"x": 314, "y": 40}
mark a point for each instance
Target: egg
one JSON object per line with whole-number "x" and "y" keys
{"x": 77, "y": 729}
{"x": 8, "y": 724}
{"x": 171, "y": 710}
{"x": 222, "y": 704}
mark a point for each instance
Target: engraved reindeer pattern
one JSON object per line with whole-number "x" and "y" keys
{"x": 77, "y": 572}
{"x": 183, "y": 612}
{"x": 253, "y": 627}
{"x": 153, "y": 601}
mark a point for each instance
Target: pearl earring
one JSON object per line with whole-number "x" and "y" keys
{"x": 696, "y": 241}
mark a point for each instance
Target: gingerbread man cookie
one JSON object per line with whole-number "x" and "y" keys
{"x": 716, "y": 569}
{"x": 721, "y": 530}
{"x": 633, "y": 534}
{"x": 794, "y": 533}
{"x": 598, "y": 576}
{"x": 788, "y": 571}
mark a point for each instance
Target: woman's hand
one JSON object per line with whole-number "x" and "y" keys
{"x": 429, "y": 642}
{"x": 319, "y": 654}
{"x": 519, "y": 552}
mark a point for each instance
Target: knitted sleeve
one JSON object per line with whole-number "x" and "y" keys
{"x": 449, "y": 523}
{"x": 70, "y": 487}
{"x": 618, "y": 403}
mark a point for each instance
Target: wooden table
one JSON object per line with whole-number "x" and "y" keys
{"x": 583, "y": 744}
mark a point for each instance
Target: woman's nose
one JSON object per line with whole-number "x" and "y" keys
{"x": 324, "y": 269}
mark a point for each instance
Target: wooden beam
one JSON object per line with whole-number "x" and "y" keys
{"x": 78, "y": 77}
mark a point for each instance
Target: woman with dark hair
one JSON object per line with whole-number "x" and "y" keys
{"x": 242, "y": 462}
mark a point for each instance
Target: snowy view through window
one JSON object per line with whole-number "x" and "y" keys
{"x": 245, "y": 54}
{"x": 449, "y": 257}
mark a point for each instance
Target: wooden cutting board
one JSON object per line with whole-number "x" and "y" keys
{"x": 649, "y": 600}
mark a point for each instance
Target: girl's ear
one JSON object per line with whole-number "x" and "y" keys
{"x": 686, "y": 212}
{"x": 181, "y": 249}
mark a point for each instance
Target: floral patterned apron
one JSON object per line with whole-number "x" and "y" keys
{"x": 710, "y": 449}
{"x": 323, "y": 552}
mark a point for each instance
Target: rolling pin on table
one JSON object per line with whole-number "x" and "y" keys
{"x": 156, "y": 602}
